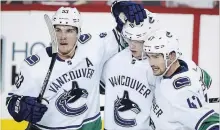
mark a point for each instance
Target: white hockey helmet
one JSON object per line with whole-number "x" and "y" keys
{"x": 139, "y": 32}
{"x": 68, "y": 16}
{"x": 162, "y": 41}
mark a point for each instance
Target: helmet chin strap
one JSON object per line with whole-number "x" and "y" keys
{"x": 143, "y": 55}
{"x": 168, "y": 67}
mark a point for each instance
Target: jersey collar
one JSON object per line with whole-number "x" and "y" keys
{"x": 182, "y": 68}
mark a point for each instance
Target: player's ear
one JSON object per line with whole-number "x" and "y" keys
{"x": 172, "y": 55}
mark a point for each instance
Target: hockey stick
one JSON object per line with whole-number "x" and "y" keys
{"x": 214, "y": 100}
{"x": 53, "y": 59}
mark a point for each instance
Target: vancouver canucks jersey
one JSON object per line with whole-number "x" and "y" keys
{"x": 128, "y": 94}
{"x": 73, "y": 88}
{"x": 179, "y": 103}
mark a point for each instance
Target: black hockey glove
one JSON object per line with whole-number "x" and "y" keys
{"x": 26, "y": 108}
{"x": 133, "y": 12}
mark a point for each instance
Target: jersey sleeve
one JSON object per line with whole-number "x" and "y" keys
{"x": 26, "y": 84}
{"x": 203, "y": 76}
{"x": 191, "y": 110}
{"x": 206, "y": 81}
{"x": 151, "y": 78}
{"x": 110, "y": 47}
{"x": 112, "y": 44}
{"x": 102, "y": 83}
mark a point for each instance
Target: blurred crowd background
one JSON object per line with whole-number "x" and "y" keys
{"x": 209, "y": 4}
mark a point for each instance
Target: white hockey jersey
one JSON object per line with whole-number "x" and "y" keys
{"x": 73, "y": 88}
{"x": 128, "y": 95}
{"x": 179, "y": 103}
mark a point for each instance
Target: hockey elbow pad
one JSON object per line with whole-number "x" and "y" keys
{"x": 26, "y": 108}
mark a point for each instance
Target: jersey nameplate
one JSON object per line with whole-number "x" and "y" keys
{"x": 181, "y": 82}
{"x": 84, "y": 38}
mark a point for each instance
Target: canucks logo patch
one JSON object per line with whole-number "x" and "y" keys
{"x": 181, "y": 82}
{"x": 122, "y": 105}
{"x": 84, "y": 38}
{"x": 66, "y": 101}
{"x": 32, "y": 60}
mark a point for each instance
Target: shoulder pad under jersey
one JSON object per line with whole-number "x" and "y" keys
{"x": 84, "y": 38}
{"x": 181, "y": 82}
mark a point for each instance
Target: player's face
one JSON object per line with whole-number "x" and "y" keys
{"x": 136, "y": 48}
{"x": 67, "y": 38}
{"x": 157, "y": 63}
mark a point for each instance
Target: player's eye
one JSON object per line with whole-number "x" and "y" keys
{"x": 147, "y": 56}
{"x": 155, "y": 56}
{"x": 57, "y": 29}
{"x": 71, "y": 30}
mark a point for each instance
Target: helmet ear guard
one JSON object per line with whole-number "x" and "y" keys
{"x": 68, "y": 16}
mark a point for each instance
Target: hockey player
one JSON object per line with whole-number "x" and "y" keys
{"x": 72, "y": 93}
{"x": 178, "y": 102}
{"x": 128, "y": 94}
